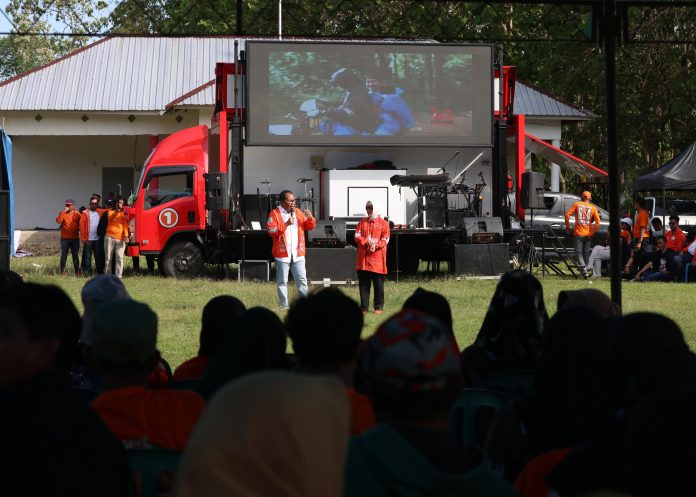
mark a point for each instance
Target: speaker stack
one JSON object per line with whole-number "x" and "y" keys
{"x": 484, "y": 259}
{"x": 336, "y": 265}
{"x": 532, "y": 190}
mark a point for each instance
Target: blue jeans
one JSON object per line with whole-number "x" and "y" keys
{"x": 582, "y": 250}
{"x": 88, "y": 248}
{"x": 298, "y": 274}
{"x": 73, "y": 245}
{"x": 656, "y": 276}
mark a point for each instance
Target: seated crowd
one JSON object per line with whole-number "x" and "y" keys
{"x": 598, "y": 403}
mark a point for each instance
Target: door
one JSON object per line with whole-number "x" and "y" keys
{"x": 117, "y": 181}
{"x": 169, "y": 205}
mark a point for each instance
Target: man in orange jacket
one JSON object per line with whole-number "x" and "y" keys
{"x": 286, "y": 226}
{"x": 586, "y": 223}
{"x": 372, "y": 237}
{"x": 69, "y": 221}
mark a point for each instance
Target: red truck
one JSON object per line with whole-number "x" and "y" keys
{"x": 189, "y": 203}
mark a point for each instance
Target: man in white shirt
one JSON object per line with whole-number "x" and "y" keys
{"x": 287, "y": 226}
{"x": 89, "y": 221}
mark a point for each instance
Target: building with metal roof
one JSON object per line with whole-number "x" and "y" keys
{"x": 85, "y": 122}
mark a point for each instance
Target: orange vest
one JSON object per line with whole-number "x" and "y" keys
{"x": 277, "y": 228}
{"x": 377, "y": 230}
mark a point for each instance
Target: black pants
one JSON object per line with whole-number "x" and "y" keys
{"x": 377, "y": 280}
{"x": 72, "y": 245}
{"x": 99, "y": 256}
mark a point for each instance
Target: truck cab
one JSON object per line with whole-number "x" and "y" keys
{"x": 168, "y": 213}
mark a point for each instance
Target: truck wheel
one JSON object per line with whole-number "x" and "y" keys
{"x": 183, "y": 260}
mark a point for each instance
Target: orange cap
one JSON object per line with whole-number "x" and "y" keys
{"x": 587, "y": 194}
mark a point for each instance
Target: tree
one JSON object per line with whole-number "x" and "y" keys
{"x": 31, "y": 44}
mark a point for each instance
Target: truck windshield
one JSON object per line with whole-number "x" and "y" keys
{"x": 143, "y": 169}
{"x": 163, "y": 188}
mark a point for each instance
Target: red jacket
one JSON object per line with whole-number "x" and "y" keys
{"x": 69, "y": 224}
{"x": 277, "y": 228}
{"x": 84, "y": 223}
{"x": 378, "y": 231}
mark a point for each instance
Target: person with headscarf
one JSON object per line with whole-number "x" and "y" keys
{"x": 277, "y": 434}
{"x": 255, "y": 341}
{"x": 511, "y": 333}
{"x": 372, "y": 237}
{"x": 217, "y": 314}
{"x": 567, "y": 404}
{"x": 646, "y": 354}
{"x": 412, "y": 375}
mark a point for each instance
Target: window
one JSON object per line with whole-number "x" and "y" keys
{"x": 164, "y": 188}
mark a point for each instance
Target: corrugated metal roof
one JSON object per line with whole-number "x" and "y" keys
{"x": 153, "y": 74}
{"x": 531, "y": 102}
{"x": 121, "y": 74}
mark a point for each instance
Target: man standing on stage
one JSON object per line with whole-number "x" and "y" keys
{"x": 287, "y": 226}
{"x": 372, "y": 237}
{"x": 585, "y": 215}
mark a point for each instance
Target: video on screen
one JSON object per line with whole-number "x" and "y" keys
{"x": 369, "y": 94}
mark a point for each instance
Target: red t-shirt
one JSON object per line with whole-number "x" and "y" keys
{"x": 143, "y": 417}
{"x": 362, "y": 415}
{"x": 531, "y": 480}
{"x": 192, "y": 369}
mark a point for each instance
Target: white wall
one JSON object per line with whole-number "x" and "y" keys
{"x": 47, "y": 170}
{"x": 285, "y": 165}
{"x": 99, "y": 124}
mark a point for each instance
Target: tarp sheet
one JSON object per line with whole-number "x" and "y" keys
{"x": 677, "y": 174}
{"x": 567, "y": 161}
{"x": 6, "y": 178}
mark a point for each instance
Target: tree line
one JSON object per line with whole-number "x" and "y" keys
{"x": 553, "y": 46}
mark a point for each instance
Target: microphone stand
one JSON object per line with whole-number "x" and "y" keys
{"x": 442, "y": 168}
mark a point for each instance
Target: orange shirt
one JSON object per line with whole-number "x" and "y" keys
{"x": 376, "y": 230}
{"x": 362, "y": 415}
{"x": 69, "y": 224}
{"x": 118, "y": 224}
{"x": 531, "y": 480}
{"x": 626, "y": 235}
{"x": 675, "y": 239}
{"x": 585, "y": 214}
{"x": 641, "y": 222}
{"x": 159, "y": 416}
{"x": 192, "y": 369}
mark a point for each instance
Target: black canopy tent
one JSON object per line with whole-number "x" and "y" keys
{"x": 677, "y": 174}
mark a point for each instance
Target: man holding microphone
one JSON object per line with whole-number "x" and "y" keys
{"x": 286, "y": 226}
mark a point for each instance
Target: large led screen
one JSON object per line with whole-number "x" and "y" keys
{"x": 364, "y": 93}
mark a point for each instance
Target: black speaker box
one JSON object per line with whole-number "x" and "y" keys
{"x": 4, "y": 253}
{"x": 216, "y": 191}
{"x": 435, "y": 212}
{"x": 336, "y": 264}
{"x": 532, "y": 190}
{"x": 4, "y": 213}
{"x": 489, "y": 259}
{"x": 254, "y": 270}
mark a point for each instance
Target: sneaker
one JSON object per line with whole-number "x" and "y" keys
{"x": 364, "y": 311}
{"x": 378, "y": 311}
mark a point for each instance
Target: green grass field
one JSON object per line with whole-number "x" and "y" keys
{"x": 178, "y": 303}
